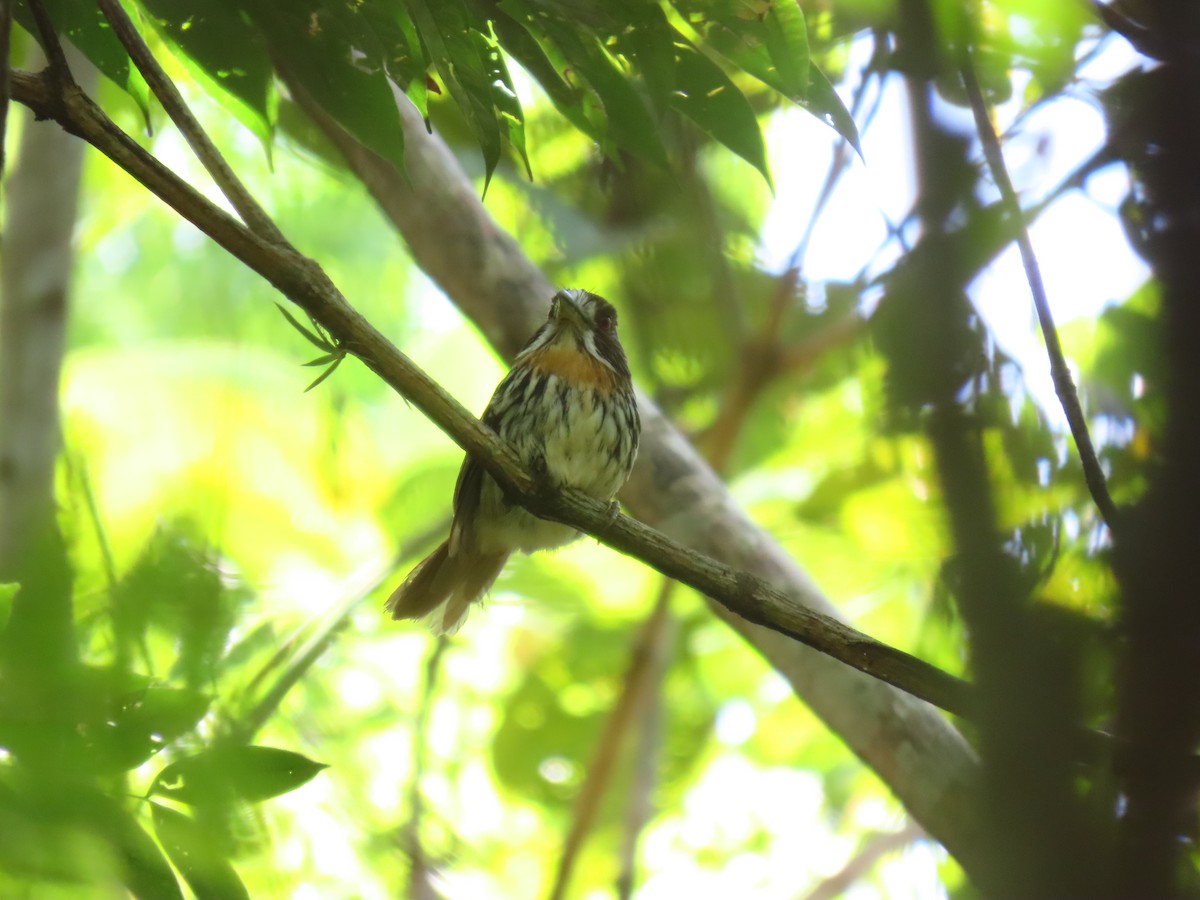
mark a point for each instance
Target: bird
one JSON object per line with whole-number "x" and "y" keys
{"x": 568, "y": 410}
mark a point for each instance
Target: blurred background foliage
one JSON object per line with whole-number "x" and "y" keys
{"x": 231, "y": 537}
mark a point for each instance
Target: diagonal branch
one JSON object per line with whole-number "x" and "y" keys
{"x": 1064, "y": 385}
{"x": 920, "y": 755}
{"x": 206, "y": 151}
{"x": 48, "y": 38}
{"x": 305, "y": 284}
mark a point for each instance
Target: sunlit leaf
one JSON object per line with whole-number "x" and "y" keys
{"x": 247, "y": 773}
{"x": 333, "y": 52}
{"x": 84, "y": 24}
{"x": 193, "y": 850}
{"x": 447, "y": 30}
{"x": 535, "y": 59}
{"x": 773, "y": 48}
{"x": 705, "y": 95}
{"x": 7, "y": 593}
{"x": 226, "y": 51}
{"x": 144, "y": 869}
{"x": 141, "y": 723}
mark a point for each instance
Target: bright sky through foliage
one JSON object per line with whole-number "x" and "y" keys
{"x": 1085, "y": 259}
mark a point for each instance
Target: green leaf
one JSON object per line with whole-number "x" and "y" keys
{"x": 705, "y": 95}
{"x": 82, "y": 22}
{"x": 505, "y": 102}
{"x": 332, "y": 50}
{"x": 333, "y": 368}
{"x": 325, "y": 360}
{"x": 628, "y": 122}
{"x": 647, "y": 40}
{"x": 192, "y": 849}
{"x": 446, "y": 28}
{"x": 144, "y": 869}
{"x": 774, "y": 49}
{"x": 786, "y": 37}
{"x": 247, "y": 773}
{"x": 537, "y": 61}
{"x": 223, "y": 51}
{"x": 142, "y": 723}
{"x": 824, "y": 103}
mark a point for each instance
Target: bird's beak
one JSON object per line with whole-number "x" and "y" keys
{"x": 569, "y": 315}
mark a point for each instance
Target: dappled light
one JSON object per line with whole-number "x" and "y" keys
{"x": 898, "y": 604}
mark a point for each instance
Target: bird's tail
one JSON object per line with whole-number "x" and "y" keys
{"x": 456, "y": 581}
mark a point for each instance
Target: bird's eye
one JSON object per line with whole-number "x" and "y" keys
{"x": 606, "y": 321}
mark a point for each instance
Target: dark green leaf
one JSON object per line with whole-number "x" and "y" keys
{"x": 647, "y": 40}
{"x": 191, "y": 848}
{"x": 446, "y": 28}
{"x": 706, "y": 96}
{"x": 141, "y": 723}
{"x": 628, "y": 121}
{"x": 226, "y": 52}
{"x": 774, "y": 49}
{"x": 536, "y": 60}
{"x": 144, "y": 869}
{"x": 82, "y": 22}
{"x": 223, "y": 774}
{"x": 333, "y": 51}
{"x": 505, "y": 102}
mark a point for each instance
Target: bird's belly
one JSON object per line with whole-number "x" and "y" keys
{"x": 503, "y": 528}
{"x": 583, "y": 452}
{"x": 581, "y": 447}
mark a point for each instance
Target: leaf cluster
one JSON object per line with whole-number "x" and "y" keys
{"x": 613, "y": 70}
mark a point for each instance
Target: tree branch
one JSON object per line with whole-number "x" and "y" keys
{"x": 206, "y": 151}
{"x": 1064, "y": 385}
{"x": 305, "y": 284}
{"x": 876, "y": 720}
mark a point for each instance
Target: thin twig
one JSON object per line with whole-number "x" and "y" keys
{"x": 304, "y": 283}
{"x": 419, "y": 886}
{"x": 604, "y": 755}
{"x": 206, "y": 151}
{"x": 48, "y": 37}
{"x": 648, "y": 741}
{"x": 874, "y": 848}
{"x": 1064, "y": 385}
